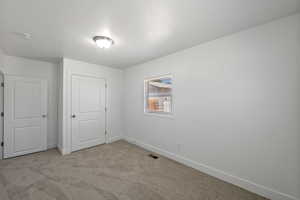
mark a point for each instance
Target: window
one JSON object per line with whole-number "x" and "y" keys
{"x": 158, "y": 95}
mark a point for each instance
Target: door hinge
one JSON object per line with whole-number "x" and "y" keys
{"x": 105, "y": 132}
{"x": 2, "y": 144}
{"x": 2, "y": 114}
{"x": 105, "y": 85}
{"x": 105, "y": 109}
{"x": 2, "y": 84}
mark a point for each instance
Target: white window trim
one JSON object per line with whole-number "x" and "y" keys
{"x": 166, "y": 115}
{"x": 158, "y": 114}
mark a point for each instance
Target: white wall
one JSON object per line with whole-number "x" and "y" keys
{"x": 30, "y": 68}
{"x": 236, "y": 108}
{"x": 60, "y": 112}
{"x": 114, "y": 79}
{"x": 1, "y": 57}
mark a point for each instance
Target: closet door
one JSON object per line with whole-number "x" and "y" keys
{"x": 25, "y": 116}
{"x": 88, "y": 112}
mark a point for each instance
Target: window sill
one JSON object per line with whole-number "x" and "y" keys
{"x": 168, "y": 116}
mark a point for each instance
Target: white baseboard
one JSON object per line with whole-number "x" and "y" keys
{"x": 243, "y": 183}
{"x": 115, "y": 138}
{"x": 61, "y": 150}
{"x": 65, "y": 152}
{"x": 51, "y": 146}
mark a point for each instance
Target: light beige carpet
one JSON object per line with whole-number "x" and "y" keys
{"x": 117, "y": 171}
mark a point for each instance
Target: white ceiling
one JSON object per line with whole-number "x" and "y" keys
{"x": 142, "y": 29}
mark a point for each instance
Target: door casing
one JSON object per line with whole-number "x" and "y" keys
{"x": 2, "y": 117}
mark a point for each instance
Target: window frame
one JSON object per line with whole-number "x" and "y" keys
{"x": 158, "y": 114}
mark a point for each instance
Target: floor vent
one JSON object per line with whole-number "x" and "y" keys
{"x": 153, "y": 156}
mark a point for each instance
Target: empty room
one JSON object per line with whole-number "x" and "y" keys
{"x": 150, "y": 100}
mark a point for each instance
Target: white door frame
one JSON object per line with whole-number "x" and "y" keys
{"x": 2, "y": 118}
{"x": 69, "y": 109}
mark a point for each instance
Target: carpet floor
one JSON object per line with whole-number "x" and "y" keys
{"x": 117, "y": 171}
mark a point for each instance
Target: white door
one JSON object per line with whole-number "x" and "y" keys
{"x": 88, "y": 112}
{"x": 1, "y": 118}
{"x": 25, "y": 116}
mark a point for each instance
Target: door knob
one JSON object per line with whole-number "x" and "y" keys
{"x": 73, "y": 116}
{"x": 44, "y": 116}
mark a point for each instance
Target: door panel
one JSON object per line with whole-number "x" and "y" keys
{"x": 27, "y": 100}
{"x": 87, "y": 127}
{"x": 90, "y": 96}
{"x": 25, "y": 128}
{"x": 26, "y": 138}
{"x": 88, "y": 110}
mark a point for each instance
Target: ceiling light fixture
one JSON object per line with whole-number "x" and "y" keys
{"x": 26, "y": 36}
{"x": 103, "y": 41}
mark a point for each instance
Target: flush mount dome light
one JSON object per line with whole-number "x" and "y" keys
{"x": 103, "y": 41}
{"x": 26, "y": 36}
